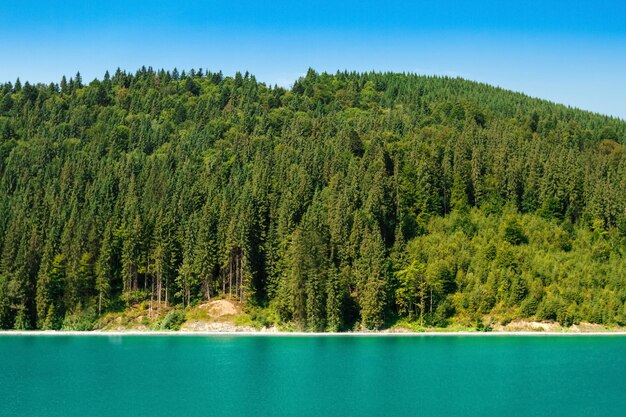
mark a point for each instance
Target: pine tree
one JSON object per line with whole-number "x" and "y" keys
{"x": 104, "y": 270}
{"x": 371, "y": 270}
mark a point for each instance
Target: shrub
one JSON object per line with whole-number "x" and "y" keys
{"x": 444, "y": 311}
{"x": 482, "y": 327}
{"x": 173, "y": 320}
{"x": 81, "y": 320}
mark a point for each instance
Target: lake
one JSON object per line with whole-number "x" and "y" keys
{"x": 312, "y": 376}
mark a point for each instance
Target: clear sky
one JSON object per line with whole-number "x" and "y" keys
{"x": 571, "y": 52}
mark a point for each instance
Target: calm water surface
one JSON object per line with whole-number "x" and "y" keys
{"x": 312, "y": 376}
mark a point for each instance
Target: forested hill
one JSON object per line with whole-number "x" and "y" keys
{"x": 348, "y": 201}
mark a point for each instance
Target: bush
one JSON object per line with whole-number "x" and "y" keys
{"x": 82, "y": 320}
{"x": 133, "y": 297}
{"x": 173, "y": 320}
{"x": 264, "y": 317}
{"x": 444, "y": 311}
{"x": 482, "y": 327}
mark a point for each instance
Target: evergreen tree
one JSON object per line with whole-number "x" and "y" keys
{"x": 353, "y": 198}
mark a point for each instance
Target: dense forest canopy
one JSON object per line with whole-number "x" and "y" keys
{"x": 347, "y": 201}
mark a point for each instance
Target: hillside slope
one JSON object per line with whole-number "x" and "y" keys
{"x": 348, "y": 201}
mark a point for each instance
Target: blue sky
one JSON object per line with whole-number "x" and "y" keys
{"x": 571, "y": 52}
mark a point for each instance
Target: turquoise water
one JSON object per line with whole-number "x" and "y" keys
{"x": 312, "y": 376}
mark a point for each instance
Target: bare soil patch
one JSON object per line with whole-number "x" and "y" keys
{"x": 220, "y": 308}
{"x": 528, "y": 326}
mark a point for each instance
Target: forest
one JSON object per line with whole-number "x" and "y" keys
{"x": 348, "y": 201}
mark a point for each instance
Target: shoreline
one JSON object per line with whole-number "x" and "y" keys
{"x": 299, "y": 334}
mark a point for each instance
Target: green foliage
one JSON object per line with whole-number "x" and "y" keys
{"x": 348, "y": 201}
{"x": 482, "y": 327}
{"x": 173, "y": 320}
{"x": 512, "y": 232}
{"x": 445, "y": 310}
{"x": 81, "y": 320}
{"x": 371, "y": 274}
{"x": 258, "y": 318}
{"x": 6, "y": 321}
{"x": 536, "y": 280}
